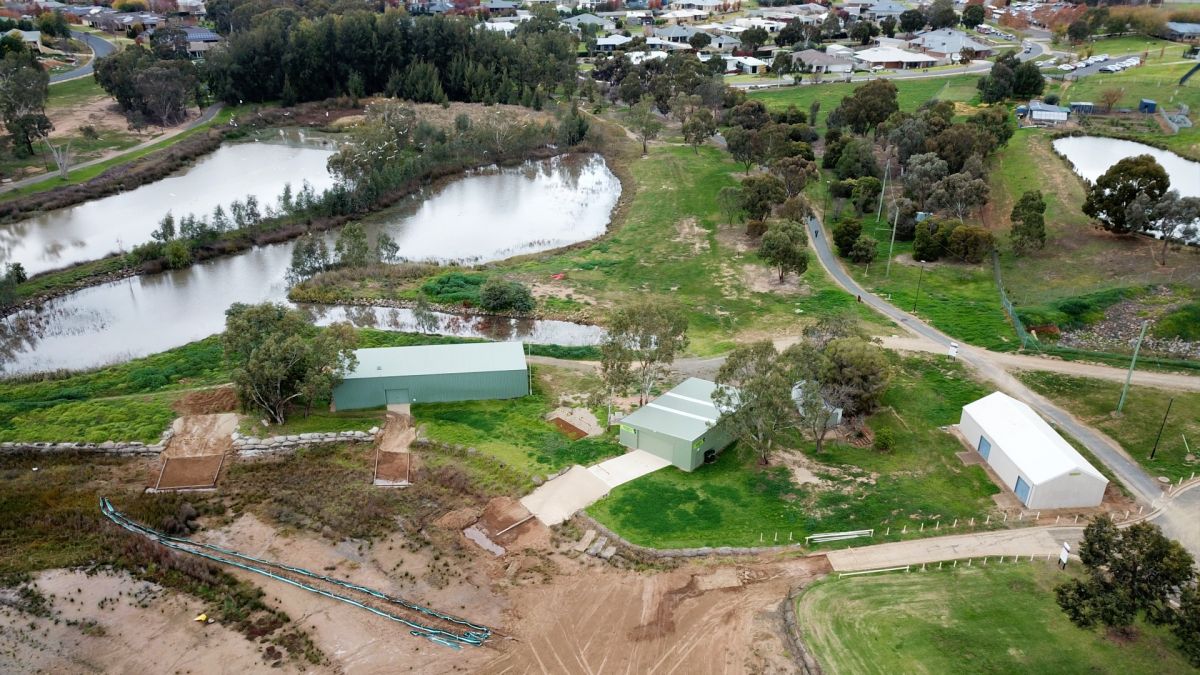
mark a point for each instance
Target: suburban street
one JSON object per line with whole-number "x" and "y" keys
{"x": 100, "y": 47}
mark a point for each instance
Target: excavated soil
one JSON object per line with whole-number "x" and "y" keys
{"x": 197, "y": 435}
{"x": 189, "y": 472}
{"x": 207, "y": 402}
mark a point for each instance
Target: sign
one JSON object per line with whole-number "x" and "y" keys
{"x": 953, "y": 351}
{"x": 1064, "y": 555}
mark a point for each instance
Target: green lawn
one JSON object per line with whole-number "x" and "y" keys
{"x": 73, "y": 92}
{"x": 911, "y": 92}
{"x": 732, "y": 501}
{"x": 998, "y": 619}
{"x": 1094, "y": 401}
{"x": 1154, "y": 50}
{"x": 514, "y": 430}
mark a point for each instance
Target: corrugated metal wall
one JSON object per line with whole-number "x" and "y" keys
{"x": 371, "y": 392}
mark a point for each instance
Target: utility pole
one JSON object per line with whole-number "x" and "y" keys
{"x": 918, "y": 298}
{"x": 882, "y": 190}
{"x": 1161, "y": 427}
{"x": 1129, "y": 376}
{"x": 892, "y": 246}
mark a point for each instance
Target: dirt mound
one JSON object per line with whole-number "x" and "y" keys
{"x": 207, "y": 402}
{"x": 458, "y": 519}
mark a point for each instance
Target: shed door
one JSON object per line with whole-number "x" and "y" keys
{"x": 1022, "y": 490}
{"x": 985, "y": 447}
{"x": 397, "y": 396}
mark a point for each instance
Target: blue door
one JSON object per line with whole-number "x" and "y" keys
{"x": 985, "y": 447}
{"x": 1022, "y": 490}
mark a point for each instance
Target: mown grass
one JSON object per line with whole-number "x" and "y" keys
{"x": 73, "y": 92}
{"x": 994, "y": 619}
{"x": 513, "y": 430}
{"x": 1153, "y": 49}
{"x": 1136, "y": 429}
{"x": 734, "y": 500}
{"x": 910, "y": 92}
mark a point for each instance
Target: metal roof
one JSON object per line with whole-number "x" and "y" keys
{"x": 1024, "y": 437}
{"x": 474, "y": 357}
{"x": 685, "y": 412}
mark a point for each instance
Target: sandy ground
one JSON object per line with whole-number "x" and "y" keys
{"x": 188, "y": 472}
{"x": 197, "y": 435}
{"x": 111, "y": 623}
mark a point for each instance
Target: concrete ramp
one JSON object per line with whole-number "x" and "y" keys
{"x": 631, "y": 465}
{"x": 579, "y": 488}
{"x": 559, "y": 499}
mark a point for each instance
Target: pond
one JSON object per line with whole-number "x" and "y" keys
{"x": 94, "y": 229}
{"x": 150, "y": 313}
{"x": 1093, "y": 155}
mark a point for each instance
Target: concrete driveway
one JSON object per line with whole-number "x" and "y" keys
{"x": 581, "y": 487}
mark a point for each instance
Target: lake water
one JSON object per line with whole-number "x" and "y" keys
{"x": 532, "y": 207}
{"x": 1093, "y": 155}
{"x": 121, "y": 221}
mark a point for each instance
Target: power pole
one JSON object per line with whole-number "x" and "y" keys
{"x": 918, "y": 297}
{"x": 882, "y": 190}
{"x": 1161, "y": 427}
{"x": 1129, "y": 376}
{"x": 892, "y": 246}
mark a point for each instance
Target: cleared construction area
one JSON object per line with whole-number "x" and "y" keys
{"x": 393, "y": 460}
{"x": 195, "y": 454}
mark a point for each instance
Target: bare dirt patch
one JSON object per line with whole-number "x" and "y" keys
{"x": 687, "y": 231}
{"x": 101, "y": 114}
{"x": 196, "y": 435}
{"x": 561, "y": 290}
{"x": 765, "y": 280}
{"x": 189, "y": 472}
{"x": 394, "y": 468}
{"x": 207, "y": 402}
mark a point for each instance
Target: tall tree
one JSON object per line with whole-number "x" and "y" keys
{"x": 912, "y": 20}
{"x": 973, "y": 15}
{"x": 868, "y": 106}
{"x": 754, "y": 394}
{"x": 760, "y": 194}
{"x": 924, "y": 172}
{"x": 644, "y": 122}
{"x": 794, "y": 173}
{"x": 24, "y": 88}
{"x": 279, "y": 358}
{"x": 642, "y": 341}
{"x": 1028, "y": 223}
{"x": 1175, "y": 219}
{"x": 1111, "y": 195}
{"x": 941, "y": 14}
{"x": 960, "y": 193}
{"x": 699, "y": 127}
{"x": 784, "y": 246}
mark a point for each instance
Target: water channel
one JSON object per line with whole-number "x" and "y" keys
{"x": 92, "y": 230}
{"x": 488, "y": 215}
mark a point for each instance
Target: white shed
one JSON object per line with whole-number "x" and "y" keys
{"x": 1030, "y": 457}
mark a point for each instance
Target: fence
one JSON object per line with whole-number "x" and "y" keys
{"x": 978, "y": 561}
{"x": 1009, "y": 309}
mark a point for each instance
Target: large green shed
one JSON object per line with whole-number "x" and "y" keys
{"x": 682, "y": 426}
{"x": 434, "y": 374}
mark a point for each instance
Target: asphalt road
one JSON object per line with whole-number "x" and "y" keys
{"x": 99, "y": 46}
{"x": 1094, "y": 69}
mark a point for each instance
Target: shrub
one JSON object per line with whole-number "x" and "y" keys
{"x": 1183, "y": 323}
{"x": 500, "y": 295}
{"x": 864, "y": 250}
{"x": 454, "y": 288}
{"x": 925, "y": 244}
{"x": 885, "y": 440}
{"x": 845, "y": 233}
{"x": 177, "y": 254}
{"x": 970, "y": 243}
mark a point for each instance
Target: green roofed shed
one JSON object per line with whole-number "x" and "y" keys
{"x": 434, "y": 374}
{"x": 682, "y": 426}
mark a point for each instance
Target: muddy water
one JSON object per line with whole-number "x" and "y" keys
{"x": 1093, "y": 155}
{"x": 532, "y": 207}
{"x": 119, "y": 222}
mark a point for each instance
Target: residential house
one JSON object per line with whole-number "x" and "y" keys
{"x": 578, "y": 21}
{"x": 747, "y": 65}
{"x": 948, "y": 44}
{"x": 706, "y": 6}
{"x": 506, "y": 27}
{"x": 723, "y": 43}
{"x": 611, "y": 43}
{"x": 498, "y": 7}
{"x": 815, "y": 61}
{"x": 893, "y": 58}
{"x": 30, "y": 38}
{"x": 880, "y": 10}
{"x": 677, "y": 33}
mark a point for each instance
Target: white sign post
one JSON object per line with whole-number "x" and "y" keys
{"x": 953, "y": 350}
{"x": 1063, "y": 555}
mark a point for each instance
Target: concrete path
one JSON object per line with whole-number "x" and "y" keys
{"x": 206, "y": 116}
{"x": 99, "y": 46}
{"x": 1035, "y": 541}
{"x": 581, "y": 487}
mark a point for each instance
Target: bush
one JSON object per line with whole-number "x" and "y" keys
{"x": 502, "y": 295}
{"x": 454, "y": 288}
{"x": 970, "y": 243}
{"x": 845, "y": 233}
{"x": 1183, "y": 323}
{"x": 177, "y": 254}
{"x": 885, "y": 440}
{"x": 864, "y": 250}
{"x": 925, "y": 244}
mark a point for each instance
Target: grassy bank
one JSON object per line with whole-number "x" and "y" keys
{"x": 732, "y": 501}
{"x": 995, "y": 619}
{"x": 1094, "y": 401}
{"x": 911, "y": 92}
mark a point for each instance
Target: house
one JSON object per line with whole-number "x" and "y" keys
{"x": 611, "y": 43}
{"x": 30, "y": 38}
{"x": 706, "y": 6}
{"x": 891, "y": 57}
{"x": 723, "y": 43}
{"x": 506, "y": 27}
{"x": 880, "y": 10}
{"x": 434, "y": 374}
{"x": 1028, "y": 456}
{"x": 499, "y": 7}
{"x": 579, "y": 20}
{"x": 840, "y": 50}
{"x": 1038, "y": 112}
{"x": 682, "y": 426}
{"x": 1186, "y": 32}
{"x": 747, "y": 65}
{"x": 815, "y": 61}
{"x": 677, "y": 33}
{"x": 638, "y": 57}
{"x": 948, "y": 44}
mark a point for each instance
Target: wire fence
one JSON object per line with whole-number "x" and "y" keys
{"x": 1009, "y": 308}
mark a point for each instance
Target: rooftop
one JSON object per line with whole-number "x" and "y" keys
{"x": 1038, "y": 451}
{"x": 475, "y": 357}
{"x": 685, "y": 412}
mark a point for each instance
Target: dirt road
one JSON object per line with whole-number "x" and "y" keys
{"x": 1036, "y": 541}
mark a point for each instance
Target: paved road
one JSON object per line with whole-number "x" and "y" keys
{"x": 100, "y": 47}
{"x": 209, "y": 113}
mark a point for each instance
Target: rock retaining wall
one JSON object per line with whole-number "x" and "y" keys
{"x": 252, "y": 446}
{"x": 105, "y": 448}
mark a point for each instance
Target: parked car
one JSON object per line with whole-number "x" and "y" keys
{"x": 1066, "y": 67}
{"x": 1111, "y": 68}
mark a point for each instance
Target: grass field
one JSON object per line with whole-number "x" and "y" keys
{"x": 73, "y": 92}
{"x": 998, "y": 619}
{"x": 912, "y": 92}
{"x": 729, "y": 502}
{"x": 1094, "y": 401}
{"x": 1155, "y": 50}
{"x": 514, "y": 430}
